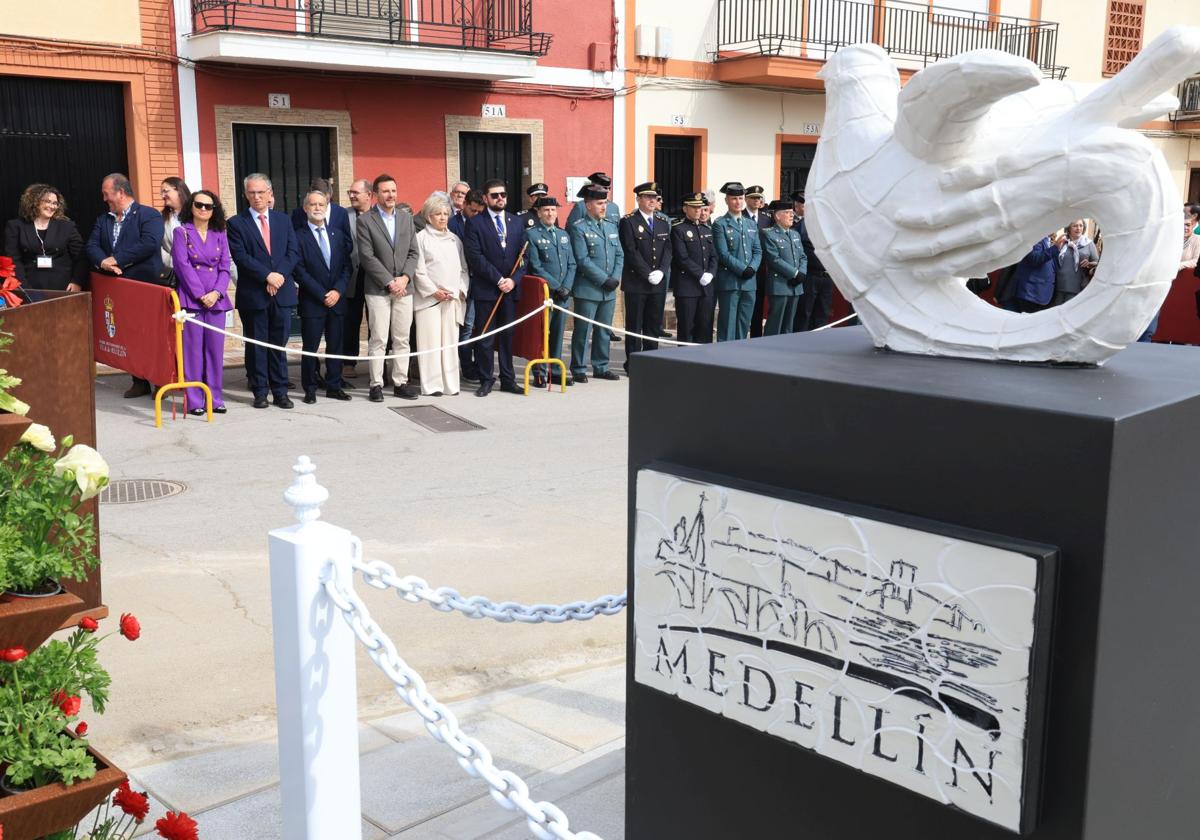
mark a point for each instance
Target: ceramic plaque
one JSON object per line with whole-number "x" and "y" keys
{"x": 911, "y": 654}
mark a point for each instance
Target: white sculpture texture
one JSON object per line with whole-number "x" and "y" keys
{"x": 963, "y": 170}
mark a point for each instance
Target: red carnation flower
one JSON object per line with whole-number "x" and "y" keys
{"x": 89, "y": 624}
{"x": 137, "y": 805}
{"x": 130, "y": 628}
{"x": 81, "y": 729}
{"x": 68, "y": 703}
{"x": 13, "y": 654}
{"x": 177, "y": 826}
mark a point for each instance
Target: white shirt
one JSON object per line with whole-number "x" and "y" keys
{"x": 499, "y": 216}
{"x": 649, "y": 219}
{"x": 389, "y": 221}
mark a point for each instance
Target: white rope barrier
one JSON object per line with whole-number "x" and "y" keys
{"x": 545, "y": 819}
{"x": 413, "y": 589}
{"x": 191, "y": 319}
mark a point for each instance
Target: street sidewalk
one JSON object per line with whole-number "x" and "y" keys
{"x": 564, "y": 736}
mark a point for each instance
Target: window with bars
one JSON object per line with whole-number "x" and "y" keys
{"x": 1123, "y": 34}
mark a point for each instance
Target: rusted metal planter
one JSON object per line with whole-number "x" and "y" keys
{"x": 50, "y": 808}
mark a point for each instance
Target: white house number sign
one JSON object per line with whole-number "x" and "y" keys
{"x": 905, "y": 654}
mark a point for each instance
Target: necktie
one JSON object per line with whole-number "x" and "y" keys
{"x": 323, "y": 242}
{"x": 500, "y": 228}
{"x": 650, "y": 224}
{"x": 266, "y": 230}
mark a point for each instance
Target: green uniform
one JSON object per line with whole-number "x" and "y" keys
{"x": 550, "y": 257}
{"x": 599, "y": 261}
{"x": 739, "y": 253}
{"x": 783, "y": 254}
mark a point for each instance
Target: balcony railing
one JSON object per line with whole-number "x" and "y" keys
{"x": 499, "y": 25}
{"x": 911, "y": 31}
{"x": 1189, "y": 99}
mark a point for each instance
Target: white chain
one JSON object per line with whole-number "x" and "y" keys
{"x": 444, "y": 599}
{"x": 545, "y": 819}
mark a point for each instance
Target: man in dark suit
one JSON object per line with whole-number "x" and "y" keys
{"x": 755, "y": 199}
{"x": 263, "y": 244}
{"x": 493, "y": 244}
{"x": 816, "y": 305}
{"x": 646, "y": 241}
{"x": 336, "y": 218}
{"x": 473, "y": 205}
{"x": 693, "y": 272}
{"x": 127, "y": 242}
{"x": 361, "y": 199}
{"x": 323, "y": 273}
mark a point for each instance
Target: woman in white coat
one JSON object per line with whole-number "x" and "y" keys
{"x": 439, "y": 299}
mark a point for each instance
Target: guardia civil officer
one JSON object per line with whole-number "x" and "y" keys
{"x": 646, "y": 243}
{"x": 551, "y": 258}
{"x": 528, "y": 217}
{"x": 756, "y": 209}
{"x": 596, "y": 243}
{"x": 595, "y": 180}
{"x": 739, "y": 254}
{"x": 783, "y": 256}
{"x": 693, "y": 271}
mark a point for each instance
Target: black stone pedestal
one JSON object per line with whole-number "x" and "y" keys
{"x": 1102, "y": 463}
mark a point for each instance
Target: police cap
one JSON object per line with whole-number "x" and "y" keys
{"x": 648, "y": 188}
{"x": 697, "y": 199}
{"x": 537, "y": 189}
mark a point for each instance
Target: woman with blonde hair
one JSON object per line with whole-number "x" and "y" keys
{"x": 44, "y": 245}
{"x": 439, "y": 298}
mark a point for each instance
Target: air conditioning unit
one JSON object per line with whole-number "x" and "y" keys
{"x": 662, "y": 42}
{"x": 644, "y": 38}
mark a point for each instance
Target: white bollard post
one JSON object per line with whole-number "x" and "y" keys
{"x": 315, "y": 680}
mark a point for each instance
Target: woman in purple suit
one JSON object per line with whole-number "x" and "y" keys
{"x": 200, "y": 257}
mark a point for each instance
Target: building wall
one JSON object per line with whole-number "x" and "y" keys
{"x": 575, "y": 26}
{"x": 145, "y": 65}
{"x": 399, "y": 126}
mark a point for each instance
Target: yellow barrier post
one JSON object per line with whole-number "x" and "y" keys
{"x": 181, "y": 384}
{"x": 546, "y": 360}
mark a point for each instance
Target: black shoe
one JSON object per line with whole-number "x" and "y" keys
{"x": 291, "y": 385}
{"x": 538, "y": 382}
{"x": 376, "y": 394}
{"x": 137, "y": 389}
{"x": 405, "y": 392}
{"x": 337, "y": 394}
{"x": 570, "y": 381}
{"x": 219, "y": 409}
{"x": 616, "y": 338}
{"x": 511, "y": 388}
{"x": 470, "y": 378}
{"x": 611, "y": 376}
{"x": 484, "y": 389}
{"x": 578, "y": 377}
{"x": 437, "y": 394}
{"x": 284, "y": 402}
{"x": 664, "y": 334}
{"x": 310, "y": 397}
{"x": 198, "y": 412}
{"x": 261, "y": 402}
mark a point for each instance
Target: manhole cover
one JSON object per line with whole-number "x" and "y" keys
{"x": 129, "y": 490}
{"x": 435, "y": 419}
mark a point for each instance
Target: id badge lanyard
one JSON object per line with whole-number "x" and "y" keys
{"x": 43, "y": 261}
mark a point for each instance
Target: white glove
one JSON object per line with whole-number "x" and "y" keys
{"x": 705, "y": 278}
{"x": 655, "y": 277}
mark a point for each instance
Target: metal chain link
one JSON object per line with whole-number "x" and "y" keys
{"x": 444, "y": 599}
{"x": 545, "y": 819}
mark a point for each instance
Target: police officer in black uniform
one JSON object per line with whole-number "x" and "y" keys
{"x": 755, "y": 201}
{"x": 529, "y": 217}
{"x": 816, "y": 305}
{"x": 693, "y": 271}
{"x": 646, "y": 241}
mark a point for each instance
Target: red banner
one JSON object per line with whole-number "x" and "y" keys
{"x": 528, "y": 335}
{"x": 132, "y": 327}
{"x": 1179, "y": 320}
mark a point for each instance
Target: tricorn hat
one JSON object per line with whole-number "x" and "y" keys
{"x": 592, "y": 193}
{"x": 600, "y": 179}
{"x": 780, "y": 204}
{"x": 733, "y": 188}
{"x": 797, "y": 197}
{"x": 545, "y": 201}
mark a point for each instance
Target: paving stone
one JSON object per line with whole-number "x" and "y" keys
{"x": 258, "y": 816}
{"x": 200, "y": 781}
{"x": 585, "y": 711}
{"x": 410, "y": 782}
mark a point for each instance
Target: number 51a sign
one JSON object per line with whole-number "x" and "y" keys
{"x": 495, "y": 111}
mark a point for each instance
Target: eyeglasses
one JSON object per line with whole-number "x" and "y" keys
{"x": 497, "y": 195}
{"x": 200, "y": 205}
{"x": 257, "y": 192}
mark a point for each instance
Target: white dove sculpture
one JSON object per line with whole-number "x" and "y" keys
{"x": 914, "y": 190}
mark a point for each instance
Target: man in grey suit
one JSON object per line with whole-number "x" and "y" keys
{"x": 387, "y": 255}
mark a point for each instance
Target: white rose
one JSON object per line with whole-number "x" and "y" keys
{"x": 10, "y": 403}
{"x": 85, "y": 467}
{"x": 39, "y": 437}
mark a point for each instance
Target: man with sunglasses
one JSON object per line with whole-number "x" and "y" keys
{"x": 494, "y": 244}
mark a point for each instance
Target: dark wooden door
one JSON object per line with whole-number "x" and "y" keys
{"x": 1194, "y": 187}
{"x": 66, "y": 133}
{"x": 675, "y": 170}
{"x": 290, "y": 155}
{"x": 483, "y": 155}
{"x": 795, "y": 160}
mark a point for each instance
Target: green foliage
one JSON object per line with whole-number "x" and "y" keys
{"x": 55, "y": 542}
{"x": 33, "y": 741}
